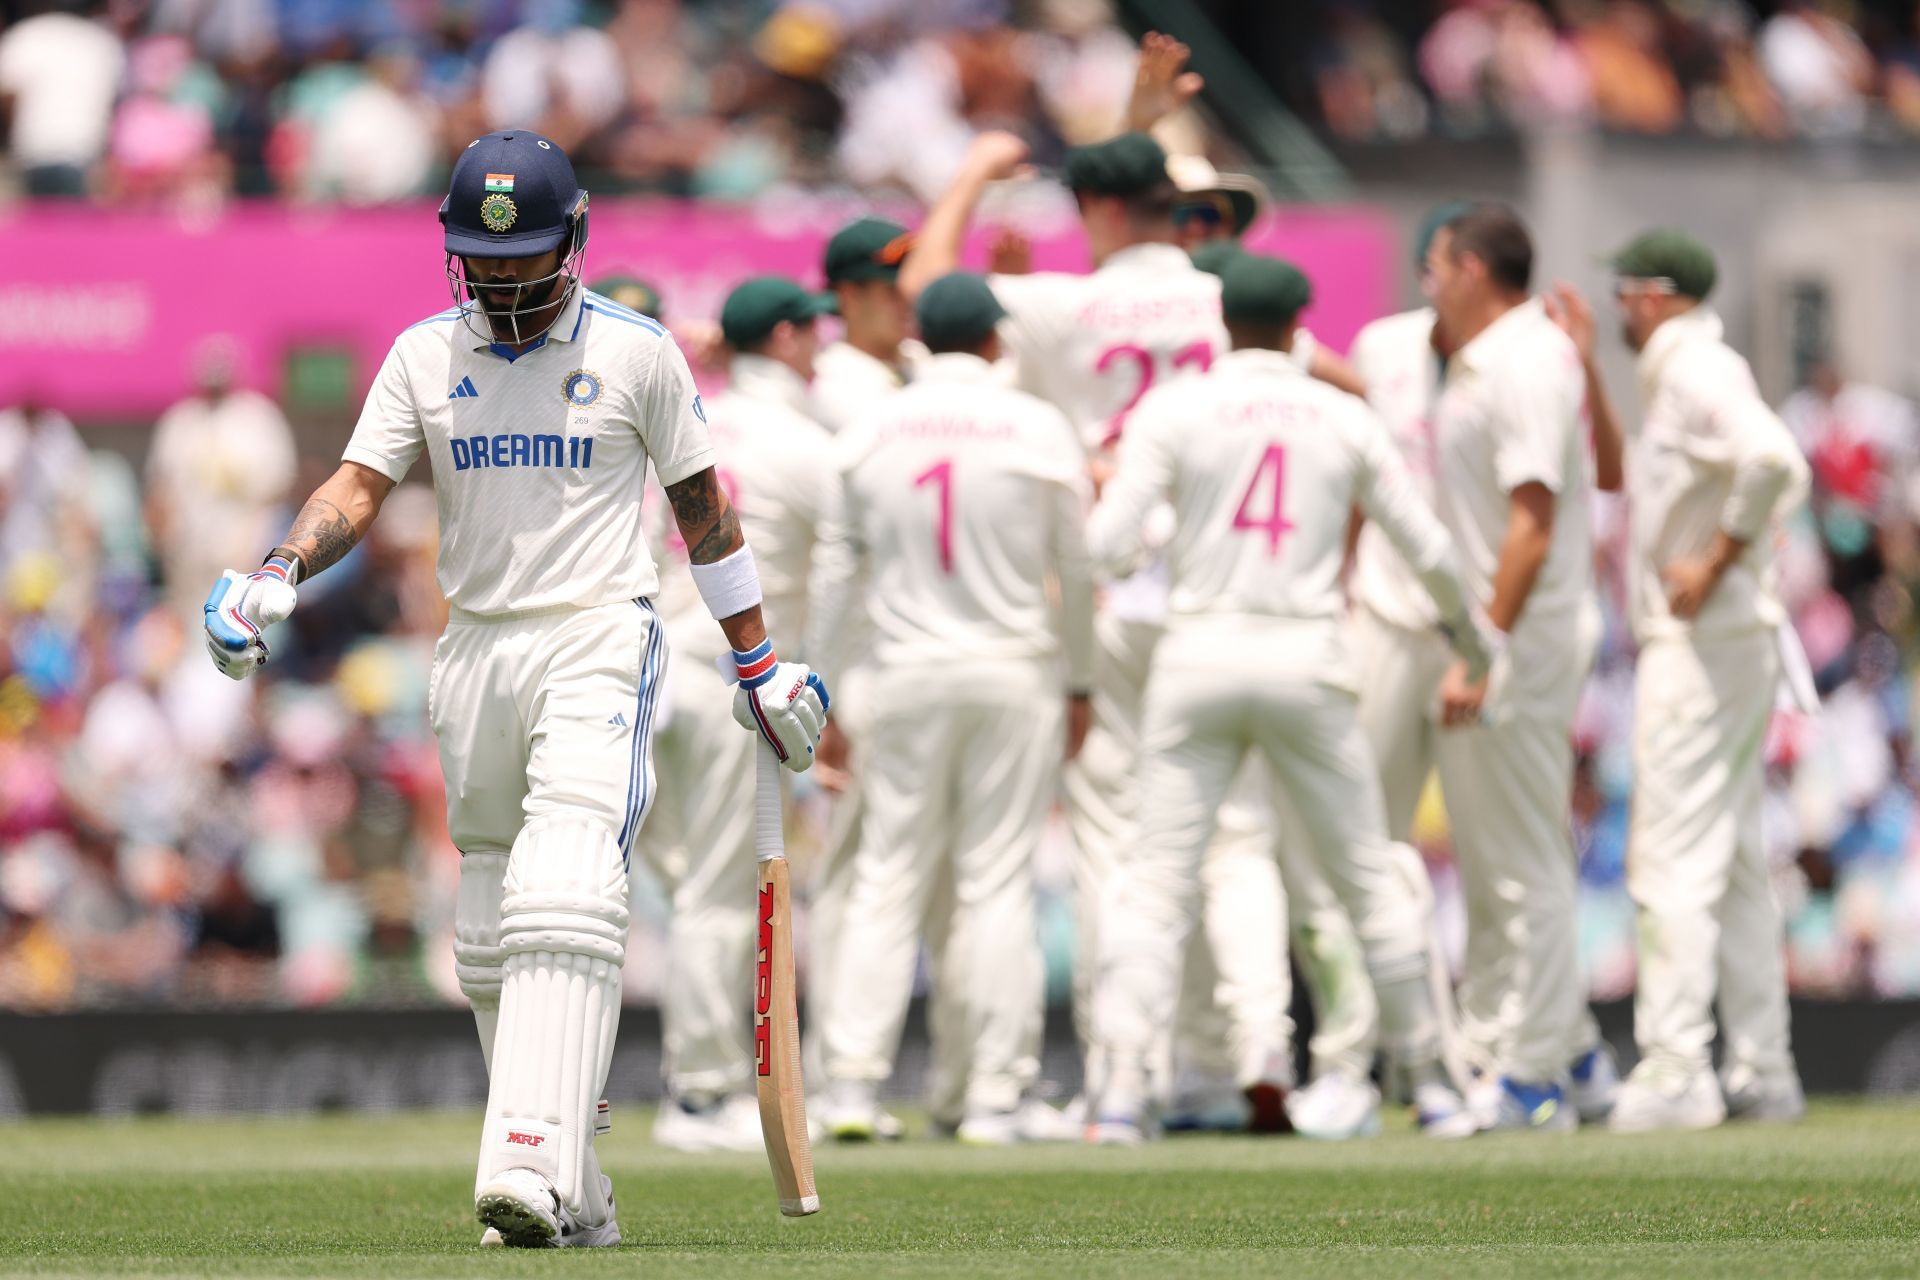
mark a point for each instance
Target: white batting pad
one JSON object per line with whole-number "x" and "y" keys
{"x": 563, "y": 929}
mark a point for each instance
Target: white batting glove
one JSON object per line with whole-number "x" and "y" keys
{"x": 239, "y": 608}
{"x": 784, "y": 702}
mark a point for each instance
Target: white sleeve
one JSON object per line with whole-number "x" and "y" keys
{"x": 1388, "y": 498}
{"x": 1038, "y": 316}
{"x": 671, "y": 418}
{"x": 1534, "y": 405}
{"x": 1146, "y": 471}
{"x": 1769, "y": 475}
{"x": 388, "y": 436}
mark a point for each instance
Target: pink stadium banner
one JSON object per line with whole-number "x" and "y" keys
{"x": 102, "y": 316}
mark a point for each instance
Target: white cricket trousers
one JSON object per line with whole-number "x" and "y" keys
{"x": 700, "y": 842}
{"x": 1508, "y": 786}
{"x": 1696, "y": 864}
{"x": 961, "y": 765}
{"x": 831, "y": 881}
{"x": 544, "y": 718}
{"x": 1204, "y": 717}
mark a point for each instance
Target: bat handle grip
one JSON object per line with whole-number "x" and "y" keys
{"x": 769, "y": 839}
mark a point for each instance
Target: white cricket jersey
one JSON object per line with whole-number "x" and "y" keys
{"x": 1394, "y": 356}
{"x": 847, "y": 382}
{"x": 963, "y": 499}
{"x": 775, "y": 465}
{"x": 539, "y": 460}
{"x": 1093, "y": 346}
{"x": 1509, "y": 414}
{"x": 1709, "y": 455}
{"x": 1262, "y": 465}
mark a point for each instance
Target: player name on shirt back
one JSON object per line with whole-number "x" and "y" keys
{"x": 945, "y": 427}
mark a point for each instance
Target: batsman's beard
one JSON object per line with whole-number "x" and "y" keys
{"x": 525, "y": 299}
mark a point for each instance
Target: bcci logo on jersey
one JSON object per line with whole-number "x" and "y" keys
{"x": 581, "y": 388}
{"x": 516, "y": 449}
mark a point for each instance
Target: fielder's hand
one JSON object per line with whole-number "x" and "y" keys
{"x": 784, "y": 702}
{"x": 239, "y": 608}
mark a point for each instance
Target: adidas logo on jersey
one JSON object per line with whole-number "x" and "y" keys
{"x": 465, "y": 391}
{"x": 619, "y": 720}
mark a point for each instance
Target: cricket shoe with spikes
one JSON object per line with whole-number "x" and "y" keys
{"x": 1771, "y": 1098}
{"x": 572, "y": 1234}
{"x": 1031, "y": 1121}
{"x": 852, "y": 1111}
{"x": 1663, "y": 1095}
{"x": 1121, "y": 1118}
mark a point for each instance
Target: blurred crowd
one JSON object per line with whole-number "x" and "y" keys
{"x": 169, "y": 835}
{"x": 194, "y": 101}
{"x": 1820, "y": 69}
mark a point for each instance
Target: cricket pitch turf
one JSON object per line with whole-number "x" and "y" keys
{"x": 389, "y": 1196}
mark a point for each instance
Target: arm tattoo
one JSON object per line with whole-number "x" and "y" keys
{"x": 321, "y": 535}
{"x": 708, "y": 523}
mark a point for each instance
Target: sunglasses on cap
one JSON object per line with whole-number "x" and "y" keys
{"x": 1203, "y": 213}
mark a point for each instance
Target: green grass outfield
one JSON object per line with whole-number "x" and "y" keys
{"x": 387, "y": 1196}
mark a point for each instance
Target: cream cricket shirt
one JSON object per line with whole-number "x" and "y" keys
{"x": 540, "y": 460}
{"x": 1508, "y": 415}
{"x": 1262, "y": 465}
{"x": 1394, "y": 356}
{"x": 775, "y": 464}
{"x": 964, "y": 499}
{"x": 1709, "y": 455}
{"x": 1093, "y": 346}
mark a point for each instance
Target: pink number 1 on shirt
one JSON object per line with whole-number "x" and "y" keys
{"x": 941, "y": 474}
{"x": 1269, "y": 482}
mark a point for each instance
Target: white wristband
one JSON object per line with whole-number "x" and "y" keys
{"x": 729, "y": 586}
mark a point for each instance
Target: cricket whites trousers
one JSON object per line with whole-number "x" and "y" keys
{"x": 700, "y": 841}
{"x": 545, "y": 725}
{"x": 1696, "y": 863}
{"x": 1204, "y": 717}
{"x": 1508, "y": 786}
{"x": 961, "y": 765}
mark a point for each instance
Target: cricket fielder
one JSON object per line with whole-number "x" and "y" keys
{"x": 1711, "y": 470}
{"x": 962, "y": 500}
{"x": 773, "y": 465}
{"x": 875, "y": 358}
{"x": 1511, "y": 479}
{"x": 1092, "y": 346}
{"x": 541, "y": 407}
{"x": 1262, "y": 466}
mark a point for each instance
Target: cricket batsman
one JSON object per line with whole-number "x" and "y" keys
{"x": 1262, "y": 466}
{"x": 962, "y": 502}
{"x": 774, "y": 469}
{"x": 1711, "y": 471}
{"x": 541, "y": 407}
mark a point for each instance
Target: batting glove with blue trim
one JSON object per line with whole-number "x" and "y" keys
{"x": 239, "y": 609}
{"x": 784, "y": 702}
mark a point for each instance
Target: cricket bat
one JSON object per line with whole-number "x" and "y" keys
{"x": 776, "y": 1019}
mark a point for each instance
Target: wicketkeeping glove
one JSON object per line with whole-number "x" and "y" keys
{"x": 784, "y": 702}
{"x": 239, "y": 608}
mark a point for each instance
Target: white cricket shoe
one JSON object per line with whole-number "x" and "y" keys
{"x": 1206, "y": 1104}
{"x": 1335, "y": 1107}
{"x": 572, "y": 1234}
{"x": 852, "y": 1111}
{"x": 523, "y": 1207}
{"x": 1763, "y": 1099}
{"x": 1442, "y": 1113}
{"x": 1120, "y": 1118}
{"x": 1593, "y": 1080}
{"x": 729, "y": 1124}
{"x": 1661, "y": 1096}
{"x": 1042, "y": 1122}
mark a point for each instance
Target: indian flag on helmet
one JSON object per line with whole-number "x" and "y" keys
{"x": 500, "y": 182}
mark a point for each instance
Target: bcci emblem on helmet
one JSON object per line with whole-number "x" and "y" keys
{"x": 497, "y": 212}
{"x": 581, "y": 388}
